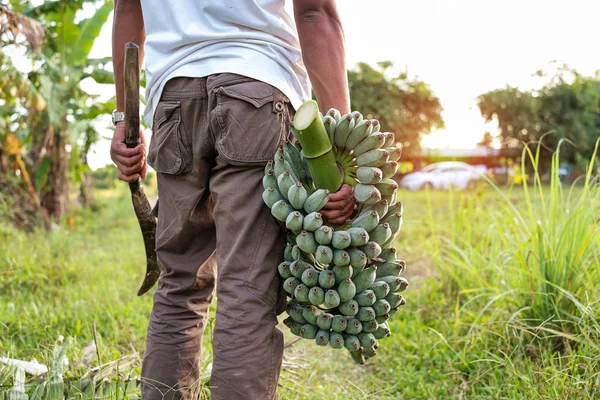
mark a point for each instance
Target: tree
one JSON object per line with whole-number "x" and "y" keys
{"x": 403, "y": 105}
{"x": 567, "y": 107}
{"x": 51, "y": 118}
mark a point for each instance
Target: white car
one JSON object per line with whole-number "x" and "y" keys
{"x": 442, "y": 175}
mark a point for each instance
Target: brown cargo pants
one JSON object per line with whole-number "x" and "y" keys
{"x": 212, "y": 138}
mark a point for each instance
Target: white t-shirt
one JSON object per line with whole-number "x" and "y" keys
{"x": 197, "y": 38}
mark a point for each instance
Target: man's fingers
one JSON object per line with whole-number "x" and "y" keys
{"x": 339, "y": 215}
{"x": 122, "y": 150}
{"x": 144, "y": 169}
{"x": 344, "y": 192}
{"x": 122, "y": 161}
{"x": 338, "y": 205}
{"x": 128, "y": 178}
{"x": 134, "y": 169}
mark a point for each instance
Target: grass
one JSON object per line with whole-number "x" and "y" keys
{"x": 503, "y": 302}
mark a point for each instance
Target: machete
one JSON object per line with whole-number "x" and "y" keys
{"x": 141, "y": 205}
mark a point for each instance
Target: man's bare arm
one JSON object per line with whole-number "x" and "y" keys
{"x": 128, "y": 26}
{"x": 322, "y": 43}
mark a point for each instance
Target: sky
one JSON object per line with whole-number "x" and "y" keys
{"x": 461, "y": 48}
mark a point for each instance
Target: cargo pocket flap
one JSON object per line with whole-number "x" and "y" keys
{"x": 259, "y": 96}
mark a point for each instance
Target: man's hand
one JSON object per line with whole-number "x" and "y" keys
{"x": 341, "y": 205}
{"x": 131, "y": 163}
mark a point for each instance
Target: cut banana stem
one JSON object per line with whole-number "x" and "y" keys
{"x": 316, "y": 147}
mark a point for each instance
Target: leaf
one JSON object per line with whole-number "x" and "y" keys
{"x": 101, "y": 76}
{"x": 40, "y": 175}
{"x": 89, "y": 31}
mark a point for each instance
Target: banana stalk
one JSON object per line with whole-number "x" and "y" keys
{"x": 316, "y": 147}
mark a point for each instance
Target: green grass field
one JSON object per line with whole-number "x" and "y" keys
{"x": 503, "y": 303}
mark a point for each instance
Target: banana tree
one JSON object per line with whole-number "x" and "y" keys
{"x": 56, "y": 136}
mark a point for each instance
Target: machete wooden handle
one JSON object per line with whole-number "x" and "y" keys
{"x": 141, "y": 205}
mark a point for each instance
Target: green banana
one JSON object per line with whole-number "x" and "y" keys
{"x": 290, "y": 284}
{"x": 296, "y": 252}
{"x": 312, "y": 221}
{"x": 382, "y": 331}
{"x": 316, "y": 201}
{"x": 324, "y": 321}
{"x": 358, "y": 259}
{"x": 295, "y": 328}
{"x": 394, "y": 268}
{"x": 308, "y": 331}
{"x": 365, "y": 314}
{"x": 341, "y": 258}
{"x": 284, "y": 182}
{"x": 292, "y": 155}
{"x": 367, "y": 340}
{"x": 301, "y": 293}
{"x": 394, "y": 153}
{"x": 343, "y": 129}
{"x": 367, "y": 221}
{"x": 389, "y": 169}
{"x": 366, "y": 194}
{"x": 394, "y": 282}
{"x": 340, "y": 240}
{"x": 382, "y": 318}
{"x": 370, "y": 326}
{"x": 330, "y": 124}
{"x": 381, "y": 207}
{"x": 294, "y": 221}
{"x": 369, "y": 175}
{"x": 376, "y": 125}
{"x": 336, "y": 340}
{"x": 381, "y": 307}
{"x": 316, "y": 296}
{"x": 324, "y": 255}
{"x": 358, "y": 357}
{"x": 281, "y": 209}
{"x": 395, "y": 222}
{"x": 387, "y": 187}
{"x": 373, "y": 158}
{"x": 338, "y": 324}
{"x": 271, "y": 196}
{"x": 381, "y": 233}
{"x": 349, "y": 308}
{"x": 381, "y": 289}
{"x": 297, "y": 195}
{"x": 298, "y": 267}
{"x": 306, "y": 241}
{"x": 389, "y": 254}
{"x": 370, "y": 142}
{"x": 295, "y": 311}
{"x": 366, "y": 298}
{"x": 335, "y": 114}
{"x": 395, "y": 300}
{"x": 322, "y": 337}
{"x": 269, "y": 168}
{"x": 358, "y": 117}
{"x": 351, "y": 343}
{"x": 310, "y": 314}
{"x": 310, "y": 277}
{"x": 327, "y": 279}
{"x": 341, "y": 273}
{"x": 284, "y": 269}
{"x": 332, "y": 299}
{"x": 395, "y": 208}
{"x": 269, "y": 180}
{"x": 365, "y": 279}
{"x": 390, "y": 140}
{"x": 371, "y": 250}
{"x": 281, "y": 166}
{"x": 287, "y": 253}
{"x": 403, "y": 284}
{"x": 369, "y": 353}
{"x": 358, "y": 236}
{"x": 323, "y": 235}
{"x": 353, "y": 326}
{"x": 359, "y": 134}
{"x": 346, "y": 289}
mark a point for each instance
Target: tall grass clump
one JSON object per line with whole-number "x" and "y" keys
{"x": 533, "y": 274}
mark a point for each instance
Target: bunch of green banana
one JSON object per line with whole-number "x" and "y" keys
{"x": 343, "y": 281}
